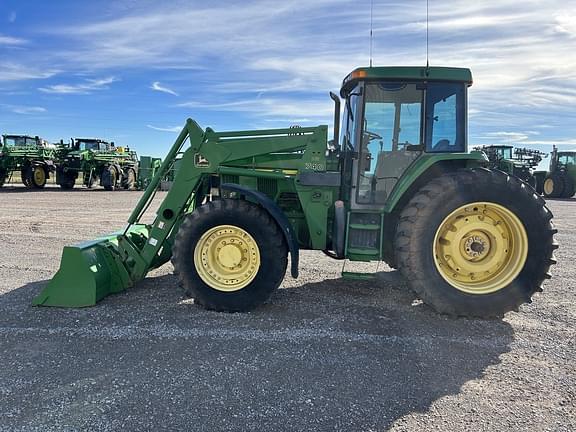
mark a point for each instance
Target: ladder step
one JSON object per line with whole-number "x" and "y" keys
{"x": 364, "y": 251}
{"x": 358, "y": 276}
{"x": 365, "y": 227}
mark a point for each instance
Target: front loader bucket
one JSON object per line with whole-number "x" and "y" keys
{"x": 88, "y": 272}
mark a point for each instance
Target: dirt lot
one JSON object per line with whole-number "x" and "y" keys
{"x": 324, "y": 354}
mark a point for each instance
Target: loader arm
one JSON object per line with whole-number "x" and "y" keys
{"x": 92, "y": 270}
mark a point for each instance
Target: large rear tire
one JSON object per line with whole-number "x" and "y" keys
{"x": 109, "y": 177}
{"x": 475, "y": 243}
{"x": 569, "y": 190}
{"x": 129, "y": 179}
{"x": 230, "y": 255}
{"x": 68, "y": 182}
{"x": 554, "y": 185}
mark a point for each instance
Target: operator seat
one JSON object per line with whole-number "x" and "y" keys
{"x": 389, "y": 168}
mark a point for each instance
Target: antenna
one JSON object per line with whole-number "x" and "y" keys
{"x": 371, "y": 15}
{"x": 427, "y": 20}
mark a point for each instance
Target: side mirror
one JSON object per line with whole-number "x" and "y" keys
{"x": 336, "y": 100}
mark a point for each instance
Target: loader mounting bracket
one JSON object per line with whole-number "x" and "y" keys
{"x": 277, "y": 214}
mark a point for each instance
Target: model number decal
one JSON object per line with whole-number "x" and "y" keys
{"x": 314, "y": 166}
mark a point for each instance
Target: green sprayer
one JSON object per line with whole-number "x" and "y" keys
{"x": 519, "y": 162}
{"x": 399, "y": 186}
{"x": 32, "y": 156}
{"x": 99, "y": 162}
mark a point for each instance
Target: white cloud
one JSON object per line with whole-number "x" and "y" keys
{"x": 288, "y": 109}
{"x": 89, "y": 86}
{"x": 566, "y": 23}
{"x": 9, "y": 40}
{"x": 166, "y": 129}
{"x": 156, "y": 86}
{"x": 28, "y": 110}
{"x": 22, "y": 109}
{"x": 509, "y": 136}
{"x": 19, "y": 72}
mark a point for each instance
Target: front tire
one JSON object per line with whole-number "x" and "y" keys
{"x": 229, "y": 255}
{"x": 554, "y": 185}
{"x": 475, "y": 243}
{"x": 26, "y": 176}
{"x": 129, "y": 179}
{"x": 569, "y": 190}
{"x": 109, "y": 178}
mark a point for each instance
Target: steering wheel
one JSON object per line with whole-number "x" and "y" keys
{"x": 371, "y": 135}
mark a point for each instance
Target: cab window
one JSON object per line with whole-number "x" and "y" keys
{"x": 446, "y": 117}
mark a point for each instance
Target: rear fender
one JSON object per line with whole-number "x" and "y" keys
{"x": 277, "y": 214}
{"x": 426, "y": 167}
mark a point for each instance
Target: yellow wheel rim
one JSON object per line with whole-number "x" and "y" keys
{"x": 480, "y": 248}
{"x": 549, "y": 186}
{"x": 227, "y": 258}
{"x": 39, "y": 175}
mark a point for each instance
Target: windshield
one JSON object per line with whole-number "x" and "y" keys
{"x": 393, "y": 113}
{"x": 16, "y": 141}
{"x": 88, "y": 145}
{"x": 567, "y": 158}
{"x": 506, "y": 153}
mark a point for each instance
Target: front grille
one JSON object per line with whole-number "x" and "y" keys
{"x": 268, "y": 186}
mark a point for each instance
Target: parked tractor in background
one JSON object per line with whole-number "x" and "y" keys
{"x": 147, "y": 169}
{"x": 400, "y": 186}
{"x": 519, "y": 162}
{"x": 100, "y": 162}
{"x": 560, "y": 179}
{"x": 32, "y": 156}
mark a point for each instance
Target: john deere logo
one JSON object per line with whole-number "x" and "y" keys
{"x": 200, "y": 161}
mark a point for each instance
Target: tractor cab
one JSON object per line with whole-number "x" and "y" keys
{"x": 498, "y": 152}
{"x": 83, "y": 144}
{"x": 566, "y": 159}
{"x": 394, "y": 116}
{"x": 21, "y": 141}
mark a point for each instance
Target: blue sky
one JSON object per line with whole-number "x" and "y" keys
{"x": 132, "y": 71}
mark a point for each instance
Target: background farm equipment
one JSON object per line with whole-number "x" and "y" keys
{"x": 99, "y": 162}
{"x": 399, "y": 186}
{"x": 147, "y": 169}
{"x": 560, "y": 179}
{"x": 519, "y": 162}
{"x": 32, "y": 156}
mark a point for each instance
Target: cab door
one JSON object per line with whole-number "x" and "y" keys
{"x": 389, "y": 140}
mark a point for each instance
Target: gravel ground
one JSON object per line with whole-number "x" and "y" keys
{"x": 323, "y": 354}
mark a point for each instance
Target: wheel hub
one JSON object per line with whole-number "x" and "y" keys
{"x": 39, "y": 175}
{"x": 476, "y": 245}
{"x": 227, "y": 258}
{"x": 549, "y": 186}
{"x": 480, "y": 247}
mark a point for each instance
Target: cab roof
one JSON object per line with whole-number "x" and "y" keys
{"x": 406, "y": 73}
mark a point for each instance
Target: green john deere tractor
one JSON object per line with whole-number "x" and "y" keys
{"x": 560, "y": 180}
{"x": 32, "y": 156}
{"x": 399, "y": 186}
{"x": 99, "y": 162}
{"x": 519, "y": 162}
